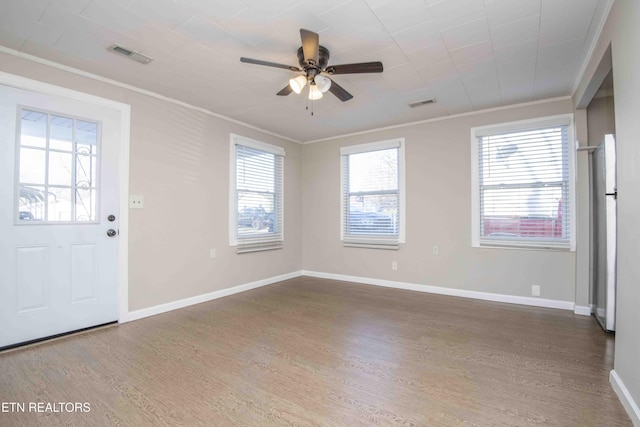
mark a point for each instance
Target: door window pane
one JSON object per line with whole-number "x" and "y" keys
{"x": 60, "y": 168}
{"x": 61, "y": 137}
{"x": 32, "y": 166}
{"x": 85, "y": 171}
{"x": 57, "y": 168}
{"x": 59, "y": 204}
{"x": 87, "y": 137}
{"x": 31, "y": 201}
{"x": 33, "y": 125}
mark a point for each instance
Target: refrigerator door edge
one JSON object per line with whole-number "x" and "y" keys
{"x": 611, "y": 263}
{"x": 610, "y": 164}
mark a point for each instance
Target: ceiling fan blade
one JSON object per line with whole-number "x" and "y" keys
{"x": 269, "y": 64}
{"x": 310, "y": 43}
{"x": 285, "y": 91}
{"x": 363, "y": 67}
{"x": 339, "y": 91}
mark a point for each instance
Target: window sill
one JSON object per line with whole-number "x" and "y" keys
{"x": 524, "y": 247}
{"x": 258, "y": 247}
{"x": 372, "y": 245}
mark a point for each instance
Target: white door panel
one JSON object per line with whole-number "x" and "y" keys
{"x": 56, "y": 276}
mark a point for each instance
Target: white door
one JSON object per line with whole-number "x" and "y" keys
{"x": 58, "y": 201}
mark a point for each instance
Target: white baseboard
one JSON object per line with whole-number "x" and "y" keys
{"x": 625, "y": 397}
{"x": 174, "y": 305}
{"x": 582, "y": 310}
{"x": 487, "y": 296}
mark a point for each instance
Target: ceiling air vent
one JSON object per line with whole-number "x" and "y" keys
{"x": 420, "y": 103}
{"x": 136, "y": 56}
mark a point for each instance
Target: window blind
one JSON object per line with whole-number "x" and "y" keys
{"x": 524, "y": 187}
{"x": 258, "y": 197}
{"x": 371, "y": 195}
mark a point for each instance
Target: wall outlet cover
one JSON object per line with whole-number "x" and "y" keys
{"x": 136, "y": 202}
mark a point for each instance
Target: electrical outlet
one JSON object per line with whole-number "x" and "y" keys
{"x": 436, "y": 250}
{"x": 212, "y": 253}
{"x": 535, "y": 290}
{"x": 136, "y": 202}
{"x": 394, "y": 265}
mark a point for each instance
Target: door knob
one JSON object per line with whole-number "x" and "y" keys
{"x": 111, "y": 218}
{"x": 111, "y": 232}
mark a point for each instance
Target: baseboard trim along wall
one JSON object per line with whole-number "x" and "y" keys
{"x": 582, "y": 310}
{"x": 487, "y": 296}
{"x": 174, "y": 305}
{"x": 625, "y": 397}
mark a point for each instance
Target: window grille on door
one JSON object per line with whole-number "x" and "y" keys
{"x": 57, "y": 168}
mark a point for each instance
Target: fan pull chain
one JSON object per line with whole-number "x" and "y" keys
{"x": 307, "y": 106}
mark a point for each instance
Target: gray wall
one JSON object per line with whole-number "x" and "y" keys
{"x": 622, "y": 32}
{"x": 601, "y": 118}
{"x": 438, "y": 179}
{"x": 180, "y": 164}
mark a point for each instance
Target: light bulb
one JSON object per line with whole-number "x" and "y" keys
{"x": 298, "y": 83}
{"x": 323, "y": 83}
{"x": 314, "y": 92}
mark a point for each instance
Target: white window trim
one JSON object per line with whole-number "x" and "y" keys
{"x": 480, "y": 131}
{"x": 376, "y": 243}
{"x": 247, "y": 142}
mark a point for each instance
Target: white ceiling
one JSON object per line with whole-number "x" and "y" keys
{"x": 467, "y": 54}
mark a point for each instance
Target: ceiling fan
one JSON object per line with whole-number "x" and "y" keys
{"x": 313, "y": 60}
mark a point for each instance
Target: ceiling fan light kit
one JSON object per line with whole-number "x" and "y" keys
{"x": 313, "y": 60}
{"x": 298, "y": 83}
{"x": 323, "y": 83}
{"x": 314, "y": 92}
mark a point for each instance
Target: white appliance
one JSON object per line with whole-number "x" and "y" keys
{"x": 603, "y": 296}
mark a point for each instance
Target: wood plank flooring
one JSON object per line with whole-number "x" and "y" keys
{"x": 314, "y": 352}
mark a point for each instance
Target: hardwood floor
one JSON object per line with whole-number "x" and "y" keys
{"x": 314, "y": 352}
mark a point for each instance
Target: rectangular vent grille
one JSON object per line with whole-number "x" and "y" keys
{"x": 136, "y": 56}
{"x": 420, "y": 103}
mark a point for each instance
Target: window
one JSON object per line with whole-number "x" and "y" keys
{"x": 57, "y": 166}
{"x": 372, "y": 207}
{"x": 256, "y": 195}
{"x": 523, "y": 184}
